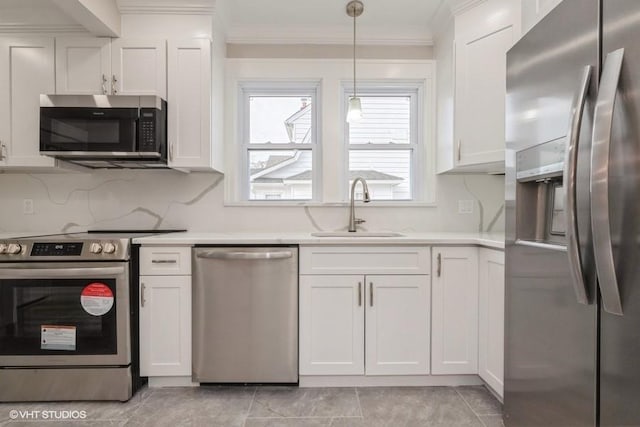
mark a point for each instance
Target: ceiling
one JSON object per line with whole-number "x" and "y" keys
{"x": 390, "y": 22}
{"x": 326, "y": 21}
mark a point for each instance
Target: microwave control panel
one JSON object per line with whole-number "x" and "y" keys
{"x": 147, "y": 140}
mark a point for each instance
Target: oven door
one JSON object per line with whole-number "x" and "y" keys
{"x": 64, "y": 314}
{"x": 88, "y": 130}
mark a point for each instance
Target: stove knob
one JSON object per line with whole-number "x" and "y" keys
{"x": 3, "y": 248}
{"x": 95, "y": 248}
{"x": 14, "y": 248}
{"x": 109, "y": 248}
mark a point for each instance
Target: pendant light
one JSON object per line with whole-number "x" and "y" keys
{"x": 354, "y": 113}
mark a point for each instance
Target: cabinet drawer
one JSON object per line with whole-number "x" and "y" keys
{"x": 165, "y": 261}
{"x": 364, "y": 260}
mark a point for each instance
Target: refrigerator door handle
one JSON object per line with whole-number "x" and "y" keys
{"x": 570, "y": 179}
{"x": 600, "y": 223}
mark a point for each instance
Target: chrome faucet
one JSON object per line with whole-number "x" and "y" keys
{"x": 365, "y": 198}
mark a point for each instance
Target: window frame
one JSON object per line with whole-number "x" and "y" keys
{"x": 415, "y": 90}
{"x": 310, "y": 89}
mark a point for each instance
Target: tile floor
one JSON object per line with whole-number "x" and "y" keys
{"x": 277, "y": 406}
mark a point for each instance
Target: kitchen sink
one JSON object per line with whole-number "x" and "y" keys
{"x": 357, "y": 234}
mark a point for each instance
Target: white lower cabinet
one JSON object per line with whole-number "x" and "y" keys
{"x": 491, "y": 332}
{"x": 331, "y": 325}
{"x": 165, "y": 314}
{"x": 336, "y": 310}
{"x": 454, "y": 317}
{"x": 165, "y": 325}
{"x": 397, "y": 325}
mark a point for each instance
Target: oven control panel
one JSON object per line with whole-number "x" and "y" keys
{"x": 54, "y": 250}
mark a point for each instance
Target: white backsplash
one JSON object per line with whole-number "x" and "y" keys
{"x": 169, "y": 199}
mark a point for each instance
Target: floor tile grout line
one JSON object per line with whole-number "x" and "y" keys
{"x": 469, "y": 406}
{"x": 359, "y": 404}
{"x": 253, "y": 398}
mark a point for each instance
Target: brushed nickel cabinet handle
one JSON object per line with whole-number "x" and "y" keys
{"x": 104, "y": 84}
{"x": 114, "y": 89}
{"x": 371, "y": 294}
{"x": 459, "y": 149}
{"x": 359, "y": 294}
{"x": 164, "y": 261}
{"x": 439, "y": 269}
{"x": 142, "y": 299}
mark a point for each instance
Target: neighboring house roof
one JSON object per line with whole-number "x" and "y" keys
{"x": 295, "y": 116}
{"x": 369, "y": 175}
{"x": 274, "y": 163}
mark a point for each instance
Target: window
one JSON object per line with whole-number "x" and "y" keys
{"x": 279, "y": 140}
{"x": 383, "y": 147}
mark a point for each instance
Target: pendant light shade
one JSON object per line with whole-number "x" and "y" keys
{"x": 354, "y": 113}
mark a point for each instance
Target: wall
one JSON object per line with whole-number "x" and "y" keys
{"x": 170, "y": 199}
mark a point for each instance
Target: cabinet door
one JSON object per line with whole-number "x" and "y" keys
{"x": 26, "y": 71}
{"x": 165, "y": 325}
{"x": 491, "y": 336}
{"x": 397, "y": 325}
{"x": 480, "y": 85}
{"x": 454, "y": 318}
{"x": 139, "y": 67}
{"x": 189, "y": 121}
{"x": 331, "y": 325}
{"x": 83, "y": 65}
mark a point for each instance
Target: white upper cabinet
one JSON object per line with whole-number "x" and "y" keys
{"x": 26, "y": 71}
{"x": 139, "y": 67}
{"x": 471, "y": 136}
{"x": 83, "y": 65}
{"x": 189, "y": 104}
{"x": 534, "y": 10}
{"x": 102, "y": 66}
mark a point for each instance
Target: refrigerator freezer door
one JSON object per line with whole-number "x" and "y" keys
{"x": 620, "y": 335}
{"x": 550, "y": 338}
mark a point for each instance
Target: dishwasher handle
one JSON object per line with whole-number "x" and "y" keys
{"x": 245, "y": 255}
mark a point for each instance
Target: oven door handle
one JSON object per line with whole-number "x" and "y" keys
{"x": 30, "y": 272}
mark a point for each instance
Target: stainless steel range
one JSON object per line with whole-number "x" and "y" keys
{"x": 68, "y": 330}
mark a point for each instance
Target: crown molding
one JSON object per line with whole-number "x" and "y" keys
{"x": 288, "y": 36}
{"x": 146, "y": 7}
{"x": 31, "y": 28}
{"x": 461, "y": 6}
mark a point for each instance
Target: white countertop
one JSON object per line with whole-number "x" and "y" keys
{"x": 489, "y": 240}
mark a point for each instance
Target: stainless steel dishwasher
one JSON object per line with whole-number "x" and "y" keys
{"x": 245, "y": 314}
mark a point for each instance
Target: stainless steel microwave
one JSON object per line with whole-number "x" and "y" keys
{"x": 103, "y": 131}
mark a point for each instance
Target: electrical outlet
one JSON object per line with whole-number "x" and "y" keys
{"x": 465, "y": 206}
{"x": 27, "y": 206}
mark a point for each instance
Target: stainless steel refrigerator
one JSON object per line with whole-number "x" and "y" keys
{"x": 572, "y": 332}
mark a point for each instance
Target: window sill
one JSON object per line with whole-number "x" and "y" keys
{"x": 293, "y": 203}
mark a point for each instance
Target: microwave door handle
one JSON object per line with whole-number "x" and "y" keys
{"x": 600, "y": 164}
{"x": 570, "y": 178}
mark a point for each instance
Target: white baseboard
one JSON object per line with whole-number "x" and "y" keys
{"x": 388, "y": 381}
{"x": 171, "y": 382}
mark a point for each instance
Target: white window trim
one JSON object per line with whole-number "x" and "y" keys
{"x": 420, "y": 170}
{"x": 248, "y": 88}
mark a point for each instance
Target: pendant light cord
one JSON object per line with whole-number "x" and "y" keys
{"x": 354, "y": 54}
